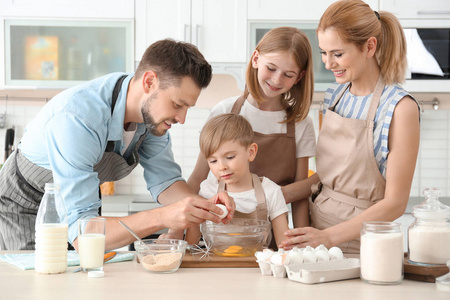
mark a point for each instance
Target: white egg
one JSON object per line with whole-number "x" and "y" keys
{"x": 308, "y": 248}
{"x": 335, "y": 253}
{"x": 264, "y": 255}
{"x": 224, "y": 211}
{"x": 321, "y": 247}
{"x": 309, "y": 256}
{"x": 295, "y": 256}
{"x": 322, "y": 255}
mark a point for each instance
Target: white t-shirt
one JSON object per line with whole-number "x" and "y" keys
{"x": 268, "y": 122}
{"x": 246, "y": 201}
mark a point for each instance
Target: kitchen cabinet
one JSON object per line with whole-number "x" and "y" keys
{"x": 291, "y": 10}
{"x": 417, "y": 9}
{"x": 58, "y": 44}
{"x": 216, "y": 27}
{"x": 68, "y": 8}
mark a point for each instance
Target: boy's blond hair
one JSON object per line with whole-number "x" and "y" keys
{"x": 224, "y": 128}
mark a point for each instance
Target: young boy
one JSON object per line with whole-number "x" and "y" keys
{"x": 227, "y": 143}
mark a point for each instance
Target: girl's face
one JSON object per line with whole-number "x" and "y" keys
{"x": 347, "y": 62}
{"x": 231, "y": 161}
{"x": 277, "y": 73}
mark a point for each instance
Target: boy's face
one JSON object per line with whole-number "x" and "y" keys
{"x": 231, "y": 161}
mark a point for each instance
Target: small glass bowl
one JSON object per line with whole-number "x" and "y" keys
{"x": 160, "y": 255}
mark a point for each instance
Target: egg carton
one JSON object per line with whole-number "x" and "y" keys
{"x": 324, "y": 271}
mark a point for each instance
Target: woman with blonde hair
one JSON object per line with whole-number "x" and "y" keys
{"x": 368, "y": 144}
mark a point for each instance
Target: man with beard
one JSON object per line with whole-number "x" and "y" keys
{"x": 99, "y": 131}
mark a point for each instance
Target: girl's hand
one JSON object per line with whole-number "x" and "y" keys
{"x": 305, "y": 236}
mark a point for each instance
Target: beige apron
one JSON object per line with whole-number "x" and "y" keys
{"x": 260, "y": 212}
{"x": 350, "y": 179}
{"x": 277, "y": 157}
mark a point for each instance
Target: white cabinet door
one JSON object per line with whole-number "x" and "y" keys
{"x": 217, "y": 27}
{"x": 68, "y": 8}
{"x": 292, "y": 10}
{"x": 417, "y": 9}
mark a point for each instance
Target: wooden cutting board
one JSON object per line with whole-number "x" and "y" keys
{"x": 216, "y": 261}
{"x": 423, "y": 273}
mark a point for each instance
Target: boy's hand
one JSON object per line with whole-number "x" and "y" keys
{"x": 225, "y": 199}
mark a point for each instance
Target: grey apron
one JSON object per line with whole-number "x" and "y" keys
{"x": 22, "y": 187}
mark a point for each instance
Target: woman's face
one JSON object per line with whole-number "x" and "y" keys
{"x": 277, "y": 73}
{"x": 347, "y": 62}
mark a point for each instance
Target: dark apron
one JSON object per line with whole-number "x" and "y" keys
{"x": 22, "y": 187}
{"x": 277, "y": 155}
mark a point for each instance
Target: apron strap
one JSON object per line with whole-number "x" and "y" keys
{"x": 376, "y": 96}
{"x": 327, "y": 192}
{"x": 259, "y": 192}
{"x": 115, "y": 95}
{"x": 339, "y": 96}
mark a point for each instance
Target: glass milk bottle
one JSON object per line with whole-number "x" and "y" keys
{"x": 429, "y": 235}
{"x": 51, "y": 232}
{"x": 381, "y": 253}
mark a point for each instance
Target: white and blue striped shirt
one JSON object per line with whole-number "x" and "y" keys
{"x": 356, "y": 107}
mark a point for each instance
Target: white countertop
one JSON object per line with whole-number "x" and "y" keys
{"x": 128, "y": 280}
{"x": 128, "y": 203}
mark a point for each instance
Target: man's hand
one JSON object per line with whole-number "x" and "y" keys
{"x": 194, "y": 210}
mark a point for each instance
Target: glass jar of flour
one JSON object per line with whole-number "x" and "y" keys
{"x": 381, "y": 253}
{"x": 429, "y": 235}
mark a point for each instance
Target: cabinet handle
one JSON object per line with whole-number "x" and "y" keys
{"x": 196, "y": 37}
{"x": 433, "y": 12}
{"x": 187, "y": 33}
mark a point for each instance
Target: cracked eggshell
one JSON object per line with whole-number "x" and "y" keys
{"x": 335, "y": 253}
{"x": 280, "y": 258}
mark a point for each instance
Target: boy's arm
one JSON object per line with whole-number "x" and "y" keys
{"x": 173, "y": 234}
{"x": 193, "y": 235}
{"x": 280, "y": 225}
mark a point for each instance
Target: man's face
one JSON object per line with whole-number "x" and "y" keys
{"x": 163, "y": 108}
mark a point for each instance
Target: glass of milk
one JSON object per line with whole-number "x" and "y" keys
{"x": 91, "y": 243}
{"x": 381, "y": 253}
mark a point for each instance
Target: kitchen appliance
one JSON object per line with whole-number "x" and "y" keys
{"x": 428, "y": 53}
{"x": 9, "y": 142}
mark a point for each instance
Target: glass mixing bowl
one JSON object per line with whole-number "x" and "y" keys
{"x": 160, "y": 255}
{"x": 240, "y": 237}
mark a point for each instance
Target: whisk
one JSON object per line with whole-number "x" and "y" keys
{"x": 200, "y": 251}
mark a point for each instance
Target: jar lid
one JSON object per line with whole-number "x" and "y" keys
{"x": 431, "y": 208}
